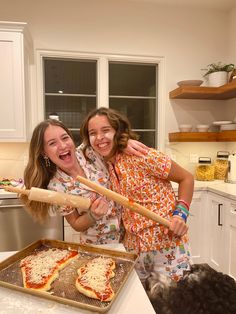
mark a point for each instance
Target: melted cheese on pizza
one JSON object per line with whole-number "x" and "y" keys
{"x": 94, "y": 277}
{"x": 41, "y": 268}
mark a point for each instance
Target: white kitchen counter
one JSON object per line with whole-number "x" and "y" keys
{"x": 218, "y": 186}
{"x": 5, "y": 194}
{"x": 131, "y": 299}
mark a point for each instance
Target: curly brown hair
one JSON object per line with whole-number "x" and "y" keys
{"x": 120, "y": 124}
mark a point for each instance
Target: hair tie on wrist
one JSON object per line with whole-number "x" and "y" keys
{"x": 183, "y": 209}
{"x": 185, "y": 203}
{"x": 90, "y": 215}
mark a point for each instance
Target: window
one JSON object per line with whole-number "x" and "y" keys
{"x": 132, "y": 91}
{"x": 73, "y": 86}
{"x": 70, "y": 90}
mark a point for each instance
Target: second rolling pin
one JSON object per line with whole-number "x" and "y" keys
{"x": 124, "y": 201}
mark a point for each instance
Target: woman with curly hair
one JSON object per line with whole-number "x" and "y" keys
{"x": 147, "y": 181}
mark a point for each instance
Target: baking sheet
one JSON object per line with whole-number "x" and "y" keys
{"x": 63, "y": 289}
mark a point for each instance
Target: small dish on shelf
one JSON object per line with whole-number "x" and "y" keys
{"x": 202, "y": 127}
{"x": 190, "y": 83}
{"x": 222, "y": 122}
{"x": 228, "y": 127}
{"x": 185, "y": 127}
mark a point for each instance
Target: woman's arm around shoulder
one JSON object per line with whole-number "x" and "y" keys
{"x": 136, "y": 148}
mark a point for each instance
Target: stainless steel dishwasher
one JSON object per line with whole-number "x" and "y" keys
{"x": 17, "y": 228}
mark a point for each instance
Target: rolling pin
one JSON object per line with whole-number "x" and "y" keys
{"x": 124, "y": 201}
{"x": 52, "y": 197}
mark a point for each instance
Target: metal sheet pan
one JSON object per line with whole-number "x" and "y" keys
{"x": 63, "y": 288}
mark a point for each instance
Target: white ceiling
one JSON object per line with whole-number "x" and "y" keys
{"x": 223, "y": 5}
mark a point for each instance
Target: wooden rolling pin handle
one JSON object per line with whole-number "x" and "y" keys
{"x": 52, "y": 197}
{"x": 148, "y": 214}
{"x": 13, "y": 189}
{"x": 124, "y": 201}
{"x": 59, "y": 198}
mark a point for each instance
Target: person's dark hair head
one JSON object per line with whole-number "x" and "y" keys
{"x": 118, "y": 121}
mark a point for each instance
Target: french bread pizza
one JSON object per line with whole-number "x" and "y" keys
{"x": 41, "y": 268}
{"x": 94, "y": 278}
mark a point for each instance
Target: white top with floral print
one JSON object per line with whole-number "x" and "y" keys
{"x": 106, "y": 230}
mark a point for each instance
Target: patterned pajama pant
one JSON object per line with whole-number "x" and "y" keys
{"x": 171, "y": 262}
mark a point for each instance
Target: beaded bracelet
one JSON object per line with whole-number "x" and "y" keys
{"x": 183, "y": 209}
{"x": 180, "y": 214}
{"x": 92, "y": 218}
{"x": 185, "y": 203}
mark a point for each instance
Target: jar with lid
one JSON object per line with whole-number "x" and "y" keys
{"x": 221, "y": 165}
{"x": 205, "y": 170}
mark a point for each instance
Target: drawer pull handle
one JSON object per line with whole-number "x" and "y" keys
{"x": 219, "y": 210}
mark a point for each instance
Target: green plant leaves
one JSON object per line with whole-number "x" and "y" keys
{"x": 218, "y": 66}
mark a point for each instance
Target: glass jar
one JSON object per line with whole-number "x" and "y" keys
{"x": 205, "y": 170}
{"x": 221, "y": 165}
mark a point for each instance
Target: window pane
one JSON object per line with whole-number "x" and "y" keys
{"x": 71, "y": 110}
{"x": 70, "y": 76}
{"x": 132, "y": 79}
{"x": 140, "y": 112}
{"x": 148, "y": 138}
{"x": 76, "y": 137}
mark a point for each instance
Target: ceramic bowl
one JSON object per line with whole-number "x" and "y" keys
{"x": 228, "y": 127}
{"x": 202, "y": 127}
{"x": 185, "y": 127}
{"x": 190, "y": 83}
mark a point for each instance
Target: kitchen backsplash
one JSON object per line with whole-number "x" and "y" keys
{"x": 182, "y": 152}
{"x": 14, "y": 156}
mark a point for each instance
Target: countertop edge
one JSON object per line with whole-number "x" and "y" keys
{"x": 219, "y": 187}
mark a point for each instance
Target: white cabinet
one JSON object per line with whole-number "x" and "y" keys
{"x": 212, "y": 229}
{"x": 231, "y": 240}
{"x": 216, "y": 236}
{"x": 70, "y": 235}
{"x": 15, "y": 59}
{"x": 197, "y": 227}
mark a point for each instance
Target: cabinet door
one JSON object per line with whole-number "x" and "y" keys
{"x": 197, "y": 227}
{"x": 216, "y": 224}
{"x": 70, "y": 235}
{"x": 13, "y": 85}
{"x": 231, "y": 241}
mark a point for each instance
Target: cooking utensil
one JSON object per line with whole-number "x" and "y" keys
{"x": 52, "y": 197}
{"x": 124, "y": 201}
{"x": 231, "y": 173}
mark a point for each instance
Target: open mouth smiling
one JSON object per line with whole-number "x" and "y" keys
{"x": 65, "y": 155}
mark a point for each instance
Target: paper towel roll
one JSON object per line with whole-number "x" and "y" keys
{"x": 232, "y": 171}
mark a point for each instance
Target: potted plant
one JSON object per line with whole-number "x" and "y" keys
{"x": 217, "y": 73}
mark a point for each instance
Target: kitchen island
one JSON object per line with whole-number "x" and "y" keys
{"x": 131, "y": 299}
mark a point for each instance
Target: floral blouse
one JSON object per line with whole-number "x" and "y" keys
{"x": 106, "y": 230}
{"x": 144, "y": 181}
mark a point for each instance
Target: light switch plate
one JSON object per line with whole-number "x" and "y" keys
{"x": 193, "y": 158}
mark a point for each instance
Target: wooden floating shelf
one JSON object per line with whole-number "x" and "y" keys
{"x": 226, "y": 91}
{"x": 224, "y": 136}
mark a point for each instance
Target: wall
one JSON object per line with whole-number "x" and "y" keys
{"x": 13, "y": 157}
{"x": 187, "y": 37}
